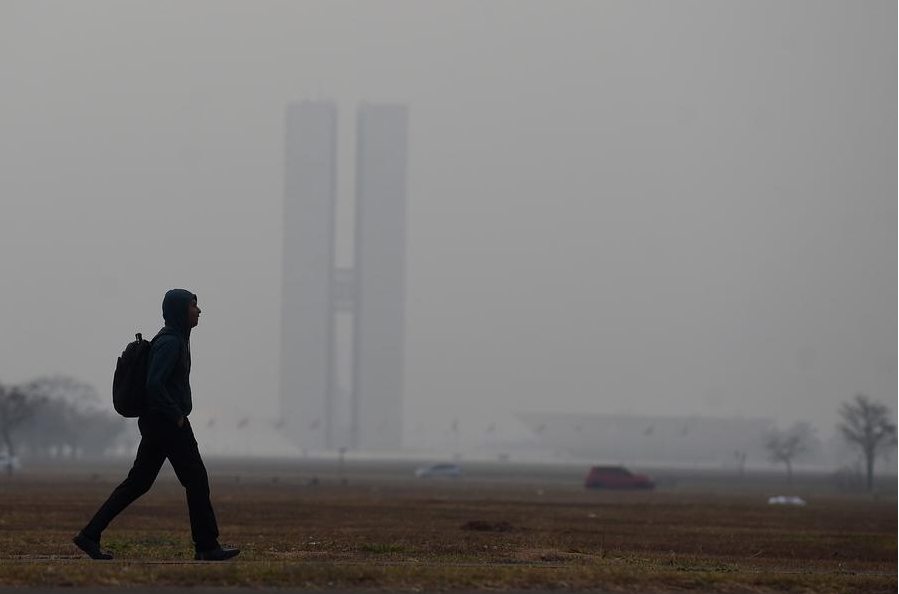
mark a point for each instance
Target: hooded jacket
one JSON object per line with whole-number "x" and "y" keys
{"x": 168, "y": 372}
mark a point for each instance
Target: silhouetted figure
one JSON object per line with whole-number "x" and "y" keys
{"x": 166, "y": 433}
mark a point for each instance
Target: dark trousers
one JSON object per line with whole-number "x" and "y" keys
{"x": 161, "y": 438}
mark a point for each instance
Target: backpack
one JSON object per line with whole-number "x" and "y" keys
{"x": 129, "y": 384}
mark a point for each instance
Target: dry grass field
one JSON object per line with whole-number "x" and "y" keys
{"x": 358, "y": 531}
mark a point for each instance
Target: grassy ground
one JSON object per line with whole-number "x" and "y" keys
{"x": 450, "y": 535}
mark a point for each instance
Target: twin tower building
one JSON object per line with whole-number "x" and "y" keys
{"x": 342, "y": 328}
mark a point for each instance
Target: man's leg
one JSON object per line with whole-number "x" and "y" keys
{"x": 147, "y": 463}
{"x": 188, "y": 465}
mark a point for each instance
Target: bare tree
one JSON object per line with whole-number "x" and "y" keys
{"x": 80, "y": 394}
{"x": 71, "y": 420}
{"x": 785, "y": 446}
{"x": 16, "y": 407}
{"x": 866, "y": 426}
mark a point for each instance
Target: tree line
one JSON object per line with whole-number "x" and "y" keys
{"x": 864, "y": 425}
{"x": 58, "y": 416}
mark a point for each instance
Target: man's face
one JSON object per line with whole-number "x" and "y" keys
{"x": 193, "y": 313}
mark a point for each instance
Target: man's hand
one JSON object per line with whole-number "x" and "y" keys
{"x": 180, "y": 422}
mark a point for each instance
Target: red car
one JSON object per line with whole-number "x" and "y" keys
{"x": 616, "y": 477}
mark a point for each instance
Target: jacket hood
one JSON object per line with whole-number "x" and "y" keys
{"x": 174, "y": 310}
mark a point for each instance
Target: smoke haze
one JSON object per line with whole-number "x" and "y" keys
{"x": 681, "y": 208}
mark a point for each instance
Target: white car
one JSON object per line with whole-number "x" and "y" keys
{"x": 786, "y": 500}
{"x": 8, "y": 463}
{"x": 439, "y": 470}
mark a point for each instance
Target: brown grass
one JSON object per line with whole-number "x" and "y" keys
{"x": 412, "y": 536}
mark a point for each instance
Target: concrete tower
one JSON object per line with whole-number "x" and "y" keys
{"x": 380, "y": 276}
{"x": 315, "y": 292}
{"x": 307, "y": 335}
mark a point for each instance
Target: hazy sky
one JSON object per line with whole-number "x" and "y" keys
{"x": 680, "y": 207}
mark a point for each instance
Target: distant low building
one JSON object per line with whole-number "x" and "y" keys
{"x": 652, "y": 439}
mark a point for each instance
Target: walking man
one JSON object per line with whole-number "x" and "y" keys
{"x": 166, "y": 433}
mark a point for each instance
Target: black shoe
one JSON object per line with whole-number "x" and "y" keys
{"x": 217, "y": 554}
{"x": 90, "y": 546}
